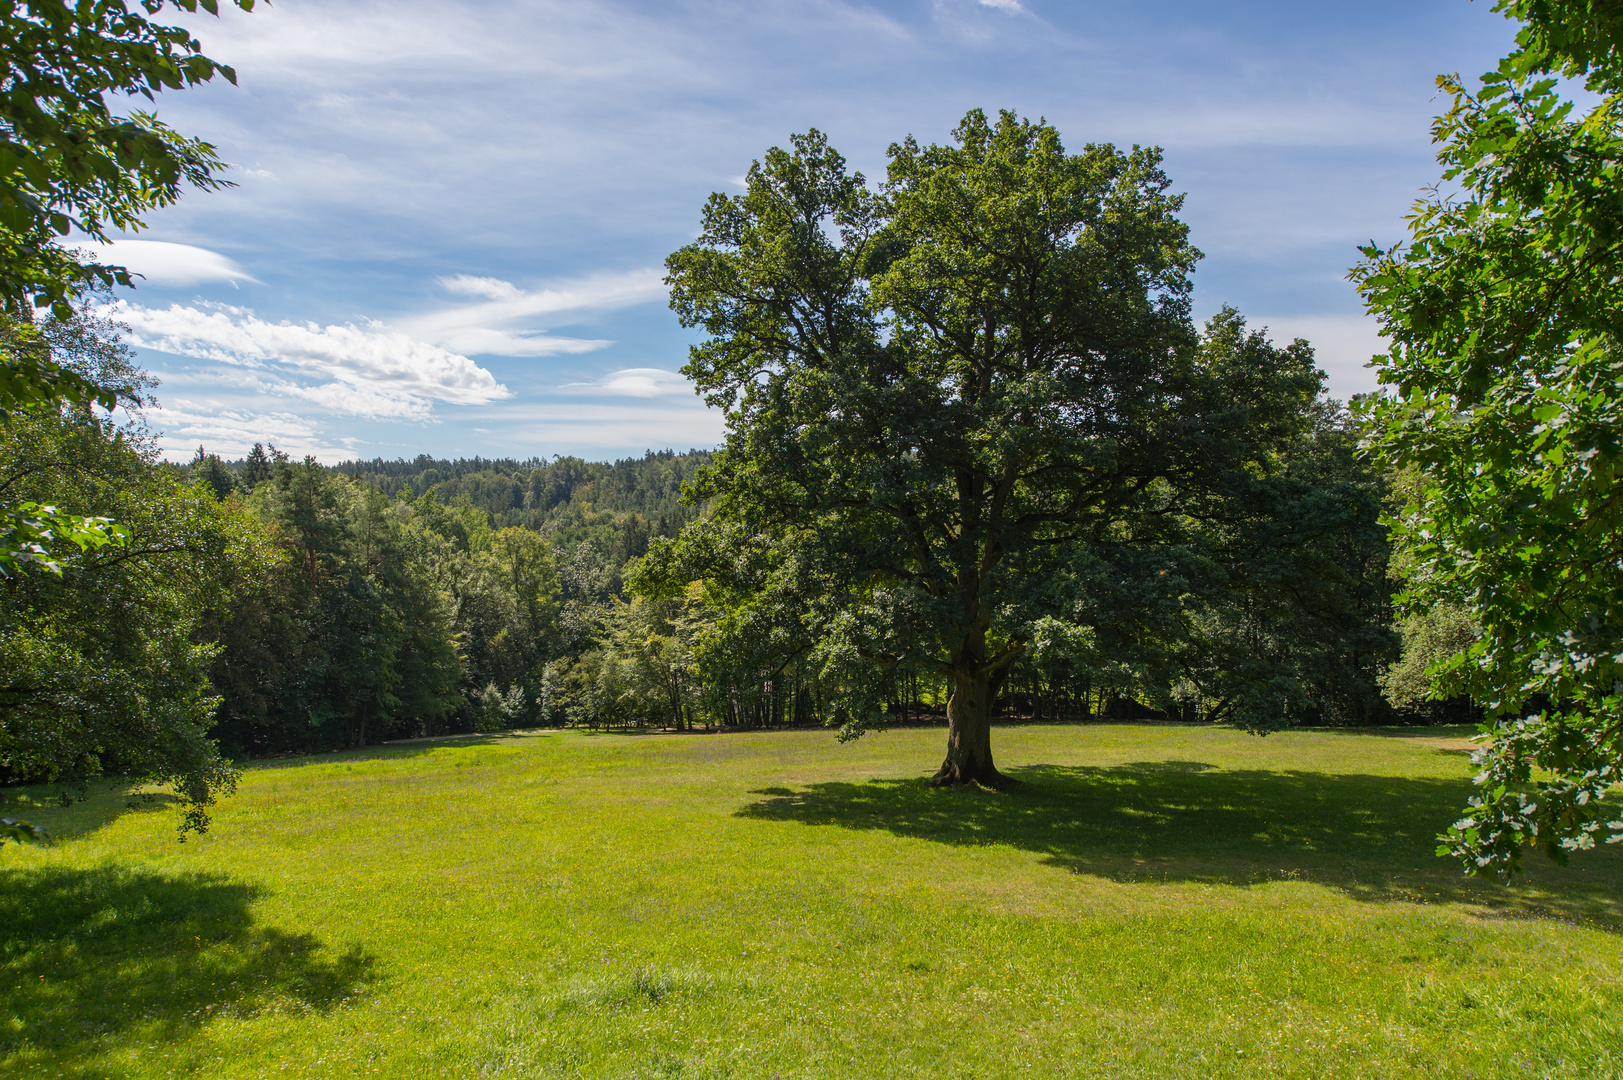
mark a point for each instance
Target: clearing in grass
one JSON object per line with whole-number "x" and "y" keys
{"x": 1149, "y": 901}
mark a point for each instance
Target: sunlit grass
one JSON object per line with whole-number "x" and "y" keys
{"x": 1150, "y": 901}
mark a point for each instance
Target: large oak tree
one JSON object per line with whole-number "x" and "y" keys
{"x": 963, "y": 409}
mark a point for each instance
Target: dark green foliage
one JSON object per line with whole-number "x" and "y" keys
{"x": 42, "y": 368}
{"x": 67, "y": 161}
{"x": 1576, "y": 38}
{"x": 207, "y": 469}
{"x": 256, "y": 468}
{"x": 535, "y": 494}
{"x": 1295, "y": 622}
{"x": 503, "y": 577}
{"x": 350, "y": 640}
{"x": 502, "y": 587}
{"x": 970, "y": 421}
{"x": 29, "y": 377}
{"x": 104, "y": 671}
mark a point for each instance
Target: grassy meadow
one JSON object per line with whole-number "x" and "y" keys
{"x": 1149, "y": 901}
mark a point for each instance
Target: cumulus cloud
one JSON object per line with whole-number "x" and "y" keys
{"x": 505, "y": 324}
{"x": 362, "y": 370}
{"x": 160, "y": 262}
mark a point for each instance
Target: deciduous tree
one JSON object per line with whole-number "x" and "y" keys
{"x": 69, "y": 162}
{"x": 105, "y": 672}
{"x": 1505, "y": 394}
{"x": 958, "y": 406}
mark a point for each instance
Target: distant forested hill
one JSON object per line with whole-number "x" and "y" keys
{"x": 430, "y": 596}
{"x": 536, "y": 493}
{"x": 618, "y": 506}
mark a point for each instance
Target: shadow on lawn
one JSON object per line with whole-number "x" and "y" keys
{"x": 404, "y": 748}
{"x": 97, "y": 960}
{"x": 99, "y": 806}
{"x": 1373, "y": 837}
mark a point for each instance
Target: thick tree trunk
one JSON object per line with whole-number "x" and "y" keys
{"x": 969, "y": 732}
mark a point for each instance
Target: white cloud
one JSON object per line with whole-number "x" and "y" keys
{"x": 487, "y": 341}
{"x": 355, "y": 401}
{"x": 636, "y": 382}
{"x": 367, "y": 370}
{"x": 488, "y": 287}
{"x": 235, "y": 387}
{"x": 1342, "y": 344}
{"x": 617, "y": 428}
{"x": 160, "y": 262}
{"x": 522, "y": 142}
{"x": 231, "y": 433}
{"x": 493, "y": 328}
{"x": 594, "y": 292}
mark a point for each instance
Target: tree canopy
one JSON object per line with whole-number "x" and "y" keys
{"x": 967, "y": 411}
{"x": 69, "y": 162}
{"x": 1505, "y": 396}
{"x": 105, "y": 664}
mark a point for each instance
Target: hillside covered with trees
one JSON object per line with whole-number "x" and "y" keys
{"x": 314, "y": 608}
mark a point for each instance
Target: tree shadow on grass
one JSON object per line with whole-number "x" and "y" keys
{"x": 97, "y": 961}
{"x": 404, "y": 748}
{"x": 1372, "y": 837}
{"x": 99, "y": 805}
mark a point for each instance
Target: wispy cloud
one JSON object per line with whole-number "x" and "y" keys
{"x": 488, "y": 287}
{"x": 185, "y": 425}
{"x": 160, "y": 262}
{"x": 614, "y": 428}
{"x": 505, "y": 324}
{"x": 639, "y": 382}
{"x": 512, "y": 145}
{"x": 368, "y": 369}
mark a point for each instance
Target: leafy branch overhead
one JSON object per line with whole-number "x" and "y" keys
{"x": 68, "y": 161}
{"x": 1504, "y": 309}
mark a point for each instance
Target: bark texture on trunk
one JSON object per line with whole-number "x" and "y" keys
{"x": 969, "y": 732}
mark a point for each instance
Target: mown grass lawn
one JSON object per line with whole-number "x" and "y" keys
{"x": 1149, "y": 901}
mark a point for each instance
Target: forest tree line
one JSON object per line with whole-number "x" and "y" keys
{"x": 272, "y": 605}
{"x": 968, "y": 411}
{"x": 158, "y": 620}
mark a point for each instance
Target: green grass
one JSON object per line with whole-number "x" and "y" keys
{"x": 1150, "y": 901}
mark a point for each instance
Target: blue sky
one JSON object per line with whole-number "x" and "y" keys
{"x": 450, "y": 218}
